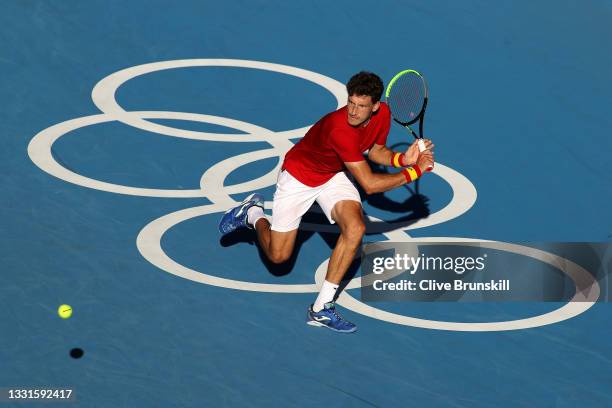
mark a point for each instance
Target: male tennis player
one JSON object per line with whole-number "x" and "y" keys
{"x": 315, "y": 169}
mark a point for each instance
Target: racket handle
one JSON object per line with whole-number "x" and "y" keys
{"x": 421, "y": 145}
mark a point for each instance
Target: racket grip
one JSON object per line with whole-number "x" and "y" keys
{"x": 421, "y": 145}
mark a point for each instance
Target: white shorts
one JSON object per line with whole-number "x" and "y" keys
{"x": 292, "y": 199}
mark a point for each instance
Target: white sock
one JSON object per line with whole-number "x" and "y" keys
{"x": 254, "y": 214}
{"x": 326, "y": 295}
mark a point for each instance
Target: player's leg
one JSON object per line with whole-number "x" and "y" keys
{"x": 277, "y": 245}
{"x": 342, "y": 205}
{"x": 291, "y": 201}
{"x": 349, "y": 217}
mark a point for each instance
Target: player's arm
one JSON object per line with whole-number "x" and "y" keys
{"x": 381, "y": 154}
{"x": 377, "y": 183}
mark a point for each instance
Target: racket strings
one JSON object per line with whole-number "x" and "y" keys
{"x": 406, "y": 97}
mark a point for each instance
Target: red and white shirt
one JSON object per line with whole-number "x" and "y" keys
{"x": 319, "y": 155}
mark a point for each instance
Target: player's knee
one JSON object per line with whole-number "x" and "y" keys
{"x": 355, "y": 231}
{"x": 279, "y": 257}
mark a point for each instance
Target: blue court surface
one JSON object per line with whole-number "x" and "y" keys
{"x": 128, "y": 128}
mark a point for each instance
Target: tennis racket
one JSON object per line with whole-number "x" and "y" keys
{"x": 407, "y": 96}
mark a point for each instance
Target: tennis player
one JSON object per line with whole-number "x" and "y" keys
{"x": 316, "y": 169}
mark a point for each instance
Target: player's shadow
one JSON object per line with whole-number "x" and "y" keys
{"x": 249, "y": 236}
{"x": 415, "y": 207}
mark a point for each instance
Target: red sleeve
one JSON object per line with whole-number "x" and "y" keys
{"x": 381, "y": 138}
{"x": 345, "y": 145}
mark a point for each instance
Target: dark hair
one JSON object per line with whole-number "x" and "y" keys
{"x": 366, "y": 84}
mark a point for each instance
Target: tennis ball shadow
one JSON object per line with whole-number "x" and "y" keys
{"x": 76, "y": 353}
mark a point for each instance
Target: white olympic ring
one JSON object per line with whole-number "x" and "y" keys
{"x": 212, "y": 187}
{"x": 103, "y": 95}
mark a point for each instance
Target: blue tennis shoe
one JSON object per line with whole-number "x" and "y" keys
{"x": 236, "y": 217}
{"x": 330, "y": 318}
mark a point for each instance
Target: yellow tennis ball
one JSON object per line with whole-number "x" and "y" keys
{"x": 64, "y": 311}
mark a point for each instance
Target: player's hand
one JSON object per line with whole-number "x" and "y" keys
{"x": 412, "y": 154}
{"x": 426, "y": 161}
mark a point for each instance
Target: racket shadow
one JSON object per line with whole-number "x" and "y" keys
{"x": 417, "y": 207}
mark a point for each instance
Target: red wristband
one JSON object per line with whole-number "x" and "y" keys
{"x": 397, "y": 160}
{"x": 411, "y": 173}
{"x": 417, "y": 169}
